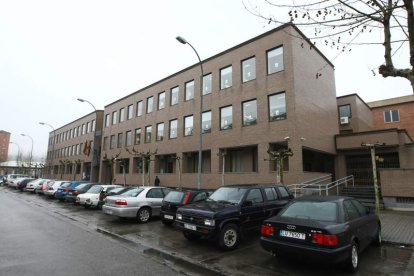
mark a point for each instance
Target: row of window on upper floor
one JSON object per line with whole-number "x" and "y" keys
{"x": 73, "y": 150}
{"x": 248, "y": 66}
{"x": 276, "y": 111}
{"x": 73, "y": 132}
{"x": 390, "y": 116}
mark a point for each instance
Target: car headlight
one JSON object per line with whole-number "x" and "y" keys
{"x": 179, "y": 216}
{"x": 209, "y": 222}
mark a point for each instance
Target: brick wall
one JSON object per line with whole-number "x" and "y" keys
{"x": 397, "y": 182}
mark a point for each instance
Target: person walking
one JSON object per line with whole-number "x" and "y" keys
{"x": 157, "y": 181}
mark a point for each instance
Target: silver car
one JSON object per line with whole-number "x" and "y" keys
{"x": 141, "y": 203}
{"x": 52, "y": 187}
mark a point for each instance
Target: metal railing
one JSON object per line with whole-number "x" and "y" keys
{"x": 316, "y": 186}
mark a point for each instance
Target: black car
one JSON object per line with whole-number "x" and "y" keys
{"x": 80, "y": 189}
{"x": 230, "y": 211}
{"x": 179, "y": 198}
{"x": 21, "y": 185}
{"x": 330, "y": 229}
{"x": 110, "y": 192}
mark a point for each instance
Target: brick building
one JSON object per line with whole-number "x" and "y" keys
{"x": 4, "y": 145}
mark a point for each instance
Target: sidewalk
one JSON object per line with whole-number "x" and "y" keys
{"x": 397, "y": 227}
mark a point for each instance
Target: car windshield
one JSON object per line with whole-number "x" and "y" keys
{"x": 133, "y": 193}
{"x": 174, "y": 197}
{"x": 321, "y": 211}
{"x": 95, "y": 189}
{"x": 65, "y": 185}
{"x": 228, "y": 195}
{"x": 81, "y": 186}
{"x": 116, "y": 190}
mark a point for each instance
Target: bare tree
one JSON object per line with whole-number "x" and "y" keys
{"x": 342, "y": 24}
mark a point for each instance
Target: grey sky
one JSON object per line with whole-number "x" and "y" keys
{"x": 53, "y": 52}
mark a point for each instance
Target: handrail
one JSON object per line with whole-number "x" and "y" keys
{"x": 295, "y": 187}
{"x": 323, "y": 187}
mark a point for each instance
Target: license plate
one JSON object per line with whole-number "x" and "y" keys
{"x": 190, "y": 226}
{"x": 168, "y": 217}
{"x": 293, "y": 235}
{"x": 109, "y": 212}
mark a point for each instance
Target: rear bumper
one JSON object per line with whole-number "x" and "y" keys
{"x": 123, "y": 212}
{"x": 329, "y": 255}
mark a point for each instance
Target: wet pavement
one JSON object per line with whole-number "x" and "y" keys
{"x": 167, "y": 244}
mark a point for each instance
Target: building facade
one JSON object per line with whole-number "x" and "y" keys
{"x": 4, "y": 145}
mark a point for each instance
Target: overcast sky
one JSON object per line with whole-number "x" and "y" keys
{"x": 53, "y": 52}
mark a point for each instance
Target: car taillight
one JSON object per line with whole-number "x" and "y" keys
{"x": 66, "y": 190}
{"x": 323, "y": 239}
{"x": 187, "y": 197}
{"x": 121, "y": 202}
{"x": 50, "y": 188}
{"x": 267, "y": 230}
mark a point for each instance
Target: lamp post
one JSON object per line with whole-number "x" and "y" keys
{"x": 18, "y": 152}
{"x": 53, "y": 145}
{"x": 94, "y": 154}
{"x": 200, "y": 132}
{"x": 31, "y": 151}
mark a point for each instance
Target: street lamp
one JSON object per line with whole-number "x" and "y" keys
{"x": 200, "y": 132}
{"x": 18, "y": 152}
{"x": 31, "y": 151}
{"x": 94, "y": 154}
{"x": 53, "y": 145}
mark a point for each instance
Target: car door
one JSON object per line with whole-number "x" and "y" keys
{"x": 154, "y": 200}
{"x": 369, "y": 220}
{"x": 252, "y": 209}
{"x": 356, "y": 224}
{"x": 275, "y": 200}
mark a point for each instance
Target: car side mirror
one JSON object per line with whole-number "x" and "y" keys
{"x": 247, "y": 203}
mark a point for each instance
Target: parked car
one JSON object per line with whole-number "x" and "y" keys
{"x": 332, "y": 229}
{"x": 12, "y": 183}
{"x": 11, "y": 177}
{"x": 34, "y": 184}
{"x": 43, "y": 187}
{"x": 179, "y": 198}
{"x": 91, "y": 197}
{"x": 64, "y": 190}
{"x": 80, "y": 189}
{"x": 230, "y": 211}
{"x": 111, "y": 192}
{"x": 141, "y": 203}
{"x": 53, "y": 186}
{"x": 21, "y": 185}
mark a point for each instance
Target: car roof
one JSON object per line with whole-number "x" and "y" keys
{"x": 323, "y": 198}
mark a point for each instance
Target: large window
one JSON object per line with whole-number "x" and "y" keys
{"x": 140, "y": 108}
{"x": 160, "y": 132}
{"x": 344, "y": 110}
{"x": 188, "y": 125}
{"x": 105, "y": 145}
{"x": 226, "y": 77}
{"x": 119, "y": 144}
{"x": 173, "y": 129}
{"x": 161, "y": 100}
{"x": 189, "y": 90}
{"x": 226, "y": 117}
{"x": 150, "y": 104}
{"x": 249, "y": 113}
{"x": 114, "y": 117}
{"x": 207, "y": 84}
{"x": 130, "y": 111}
{"x": 206, "y": 121}
{"x": 148, "y": 132}
{"x": 174, "y": 95}
{"x": 275, "y": 60}
{"x": 249, "y": 69}
{"x": 137, "y": 136}
{"x": 277, "y": 107}
{"x": 391, "y": 116}
{"x": 112, "y": 142}
{"x": 122, "y": 114}
{"x": 128, "y": 138}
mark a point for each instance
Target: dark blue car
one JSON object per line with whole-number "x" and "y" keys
{"x": 64, "y": 190}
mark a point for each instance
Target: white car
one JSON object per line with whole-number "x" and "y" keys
{"x": 14, "y": 181}
{"x": 33, "y": 185}
{"x": 52, "y": 187}
{"x": 12, "y": 177}
{"x": 91, "y": 197}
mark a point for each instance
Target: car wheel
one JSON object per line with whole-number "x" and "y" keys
{"x": 143, "y": 214}
{"x": 378, "y": 237}
{"x": 190, "y": 236}
{"x": 352, "y": 263}
{"x": 167, "y": 222}
{"x": 229, "y": 237}
{"x": 87, "y": 206}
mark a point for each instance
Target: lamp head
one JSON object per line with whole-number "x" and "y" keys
{"x": 23, "y": 134}
{"x": 42, "y": 123}
{"x": 181, "y": 40}
{"x": 81, "y": 100}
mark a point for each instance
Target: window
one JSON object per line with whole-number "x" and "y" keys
{"x": 207, "y": 84}
{"x": 119, "y": 144}
{"x": 161, "y": 100}
{"x": 137, "y": 136}
{"x": 351, "y": 211}
{"x": 344, "y": 110}
{"x": 83, "y": 131}
{"x": 275, "y": 60}
{"x": 105, "y": 144}
{"x": 173, "y": 129}
{"x": 361, "y": 208}
{"x": 391, "y": 116}
{"x": 277, "y": 107}
{"x": 174, "y": 96}
{"x": 128, "y": 138}
{"x": 122, "y": 114}
{"x": 114, "y": 117}
{"x": 93, "y": 126}
{"x": 148, "y": 132}
{"x": 249, "y": 69}
{"x": 88, "y": 128}
{"x": 255, "y": 196}
{"x": 189, "y": 90}
{"x": 150, "y": 103}
{"x": 270, "y": 194}
{"x": 130, "y": 111}
{"x": 226, "y": 77}
{"x": 139, "y": 108}
{"x": 188, "y": 125}
{"x": 112, "y": 142}
{"x": 155, "y": 193}
{"x": 226, "y": 117}
{"x": 160, "y": 132}
{"x": 206, "y": 122}
{"x": 283, "y": 193}
{"x": 249, "y": 113}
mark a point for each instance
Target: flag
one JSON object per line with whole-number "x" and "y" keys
{"x": 87, "y": 148}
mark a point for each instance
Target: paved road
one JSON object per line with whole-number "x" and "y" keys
{"x": 34, "y": 240}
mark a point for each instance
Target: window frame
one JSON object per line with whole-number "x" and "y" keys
{"x": 140, "y": 108}
{"x": 222, "y": 86}
{"x": 349, "y": 108}
{"x": 150, "y": 104}
{"x": 174, "y": 90}
{"x": 221, "y": 120}
{"x": 158, "y": 137}
{"x": 254, "y": 122}
{"x": 176, "y": 129}
{"x": 276, "y": 117}
{"x": 242, "y": 67}
{"x": 267, "y": 60}
{"x": 159, "y": 100}
{"x": 210, "y": 90}
{"x": 148, "y": 134}
{"x": 391, "y": 112}
{"x": 185, "y": 125}
{"x": 189, "y": 97}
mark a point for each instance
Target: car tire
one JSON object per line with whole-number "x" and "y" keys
{"x": 167, "y": 222}
{"x": 87, "y": 206}
{"x": 190, "y": 236}
{"x": 378, "y": 237}
{"x": 229, "y": 237}
{"x": 352, "y": 262}
{"x": 144, "y": 214}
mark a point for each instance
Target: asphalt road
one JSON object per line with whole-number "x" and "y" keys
{"x": 35, "y": 240}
